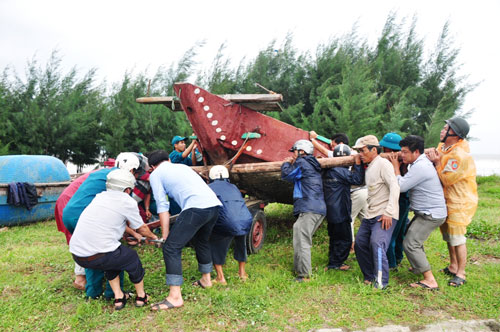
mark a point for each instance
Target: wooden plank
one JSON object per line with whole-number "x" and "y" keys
{"x": 264, "y": 103}
{"x": 253, "y": 98}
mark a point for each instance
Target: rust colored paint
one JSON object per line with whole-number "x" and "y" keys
{"x": 219, "y": 125}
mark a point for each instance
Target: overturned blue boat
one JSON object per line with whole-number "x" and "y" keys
{"x": 49, "y": 176}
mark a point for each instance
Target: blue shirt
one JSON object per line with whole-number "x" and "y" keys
{"x": 176, "y": 158}
{"x": 182, "y": 184}
{"x": 93, "y": 185}
{"x": 425, "y": 189}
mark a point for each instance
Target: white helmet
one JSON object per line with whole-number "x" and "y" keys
{"x": 218, "y": 172}
{"x": 304, "y": 145}
{"x": 119, "y": 180}
{"x": 127, "y": 161}
{"x": 341, "y": 150}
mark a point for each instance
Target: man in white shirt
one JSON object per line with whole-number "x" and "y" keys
{"x": 95, "y": 243}
{"x": 376, "y": 228}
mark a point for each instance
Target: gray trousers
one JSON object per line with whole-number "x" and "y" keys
{"x": 421, "y": 226}
{"x": 303, "y": 231}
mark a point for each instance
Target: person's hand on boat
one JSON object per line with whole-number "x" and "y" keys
{"x": 312, "y": 134}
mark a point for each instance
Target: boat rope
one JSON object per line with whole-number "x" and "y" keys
{"x": 229, "y": 162}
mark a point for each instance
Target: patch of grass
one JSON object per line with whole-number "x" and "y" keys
{"x": 486, "y": 221}
{"x": 36, "y": 273}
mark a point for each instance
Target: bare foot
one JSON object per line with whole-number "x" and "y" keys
{"x": 367, "y": 282}
{"x": 220, "y": 282}
{"x": 243, "y": 277}
{"x": 80, "y": 282}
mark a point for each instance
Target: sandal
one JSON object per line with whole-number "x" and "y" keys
{"x": 123, "y": 302}
{"x": 198, "y": 283}
{"x": 447, "y": 271}
{"x": 157, "y": 306}
{"x": 144, "y": 300}
{"x": 456, "y": 281}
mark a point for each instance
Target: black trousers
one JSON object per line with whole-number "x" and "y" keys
{"x": 340, "y": 243}
{"x": 112, "y": 263}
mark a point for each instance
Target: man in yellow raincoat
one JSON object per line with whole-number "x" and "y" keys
{"x": 457, "y": 172}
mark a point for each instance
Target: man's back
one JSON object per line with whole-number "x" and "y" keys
{"x": 102, "y": 223}
{"x": 94, "y": 184}
{"x": 182, "y": 184}
{"x": 234, "y": 217}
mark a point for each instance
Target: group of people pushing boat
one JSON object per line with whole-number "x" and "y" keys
{"x": 438, "y": 185}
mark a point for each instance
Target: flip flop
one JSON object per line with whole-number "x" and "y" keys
{"x": 198, "y": 283}
{"x": 424, "y": 286}
{"x": 456, "y": 281}
{"x": 447, "y": 271}
{"x": 156, "y": 306}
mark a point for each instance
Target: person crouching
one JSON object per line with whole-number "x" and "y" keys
{"x": 95, "y": 243}
{"x": 234, "y": 222}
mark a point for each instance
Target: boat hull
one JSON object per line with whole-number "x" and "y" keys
{"x": 48, "y": 174}
{"x": 15, "y": 215}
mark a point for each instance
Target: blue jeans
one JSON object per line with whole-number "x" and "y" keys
{"x": 192, "y": 224}
{"x": 371, "y": 248}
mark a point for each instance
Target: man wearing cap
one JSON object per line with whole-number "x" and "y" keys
{"x": 376, "y": 228}
{"x": 457, "y": 172}
{"x": 181, "y": 154}
{"x": 390, "y": 144}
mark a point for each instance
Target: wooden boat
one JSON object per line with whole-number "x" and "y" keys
{"x": 231, "y": 131}
{"x": 47, "y": 173}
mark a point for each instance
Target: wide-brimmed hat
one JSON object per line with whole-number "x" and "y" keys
{"x": 391, "y": 141}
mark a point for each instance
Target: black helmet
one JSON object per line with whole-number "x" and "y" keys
{"x": 459, "y": 126}
{"x": 341, "y": 150}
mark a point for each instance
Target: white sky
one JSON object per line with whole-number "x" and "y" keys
{"x": 118, "y": 36}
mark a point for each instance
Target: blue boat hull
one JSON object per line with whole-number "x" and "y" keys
{"x": 50, "y": 177}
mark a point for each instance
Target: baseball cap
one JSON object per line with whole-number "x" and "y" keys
{"x": 177, "y": 139}
{"x": 366, "y": 140}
